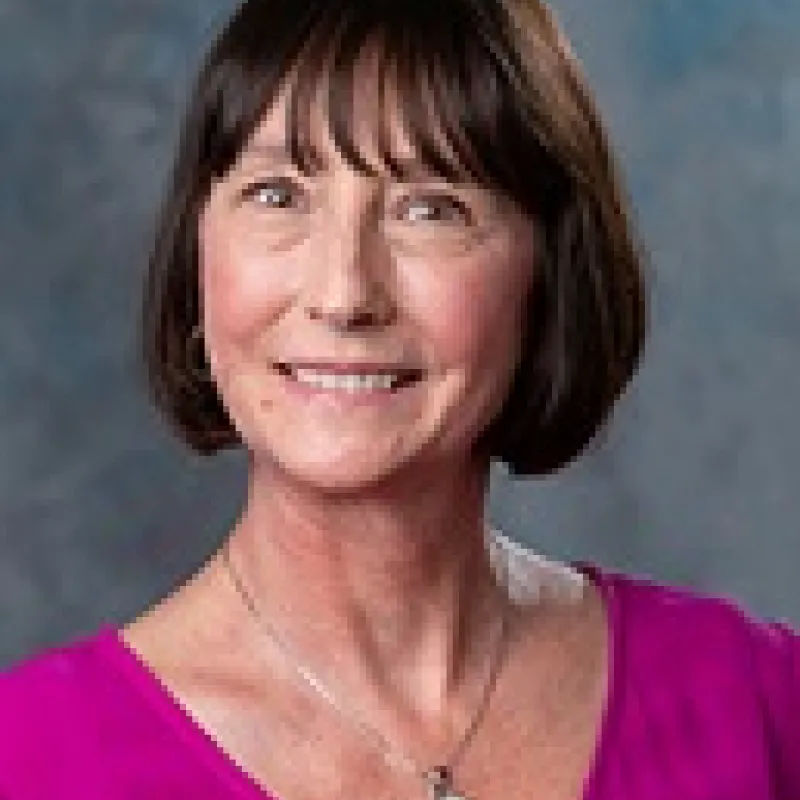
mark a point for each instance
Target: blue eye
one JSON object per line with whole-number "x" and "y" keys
{"x": 277, "y": 193}
{"x": 436, "y": 208}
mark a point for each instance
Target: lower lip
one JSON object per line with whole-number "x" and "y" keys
{"x": 343, "y": 398}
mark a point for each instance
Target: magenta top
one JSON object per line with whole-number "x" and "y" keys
{"x": 703, "y": 702}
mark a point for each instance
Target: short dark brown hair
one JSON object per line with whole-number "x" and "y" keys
{"x": 516, "y": 110}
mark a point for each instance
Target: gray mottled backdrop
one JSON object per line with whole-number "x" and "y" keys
{"x": 697, "y": 484}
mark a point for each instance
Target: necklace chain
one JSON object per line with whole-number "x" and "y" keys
{"x": 438, "y": 779}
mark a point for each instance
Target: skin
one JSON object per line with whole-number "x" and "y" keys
{"x": 362, "y": 535}
{"x": 366, "y": 521}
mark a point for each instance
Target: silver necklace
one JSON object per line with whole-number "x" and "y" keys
{"x": 439, "y": 779}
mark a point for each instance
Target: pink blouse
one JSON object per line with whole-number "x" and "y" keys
{"x": 703, "y": 703}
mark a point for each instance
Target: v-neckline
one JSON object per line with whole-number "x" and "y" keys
{"x": 237, "y": 779}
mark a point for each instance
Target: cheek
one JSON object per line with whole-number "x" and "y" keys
{"x": 473, "y": 315}
{"x": 241, "y": 289}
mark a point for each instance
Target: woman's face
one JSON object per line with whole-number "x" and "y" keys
{"x": 341, "y": 267}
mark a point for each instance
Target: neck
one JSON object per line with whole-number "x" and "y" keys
{"x": 388, "y": 597}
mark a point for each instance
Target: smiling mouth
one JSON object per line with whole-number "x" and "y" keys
{"x": 356, "y": 381}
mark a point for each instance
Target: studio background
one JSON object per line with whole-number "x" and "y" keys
{"x": 697, "y": 480}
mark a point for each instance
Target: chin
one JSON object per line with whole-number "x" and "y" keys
{"x": 337, "y": 471}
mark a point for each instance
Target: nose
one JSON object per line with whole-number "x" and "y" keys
{"x": 349, "y": 288}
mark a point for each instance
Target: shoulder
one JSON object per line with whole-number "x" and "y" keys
{"x": 709, "y": 659}
{"x": 53, "y": 705}
{"x": 55, "y": 689}
{"x": 647, "y": 599}
{"x": 65, "y": 669}
{"x": 661, "y": 615}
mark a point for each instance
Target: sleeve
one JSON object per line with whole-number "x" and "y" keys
{"x": 776, "y": 656}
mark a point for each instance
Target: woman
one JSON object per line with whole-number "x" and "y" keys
{"x": 395, "y": 249}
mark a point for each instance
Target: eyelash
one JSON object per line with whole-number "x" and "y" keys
{"x": 432, "y": 198}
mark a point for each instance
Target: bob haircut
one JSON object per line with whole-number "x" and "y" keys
{"x": 512, "y": 103}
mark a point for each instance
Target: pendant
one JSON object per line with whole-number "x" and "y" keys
{"x": 440, "y": 781}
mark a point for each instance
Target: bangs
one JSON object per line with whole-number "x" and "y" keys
{"x": 446, "y": 69}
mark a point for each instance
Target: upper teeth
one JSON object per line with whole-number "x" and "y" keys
{"x": 349, "y": 382}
